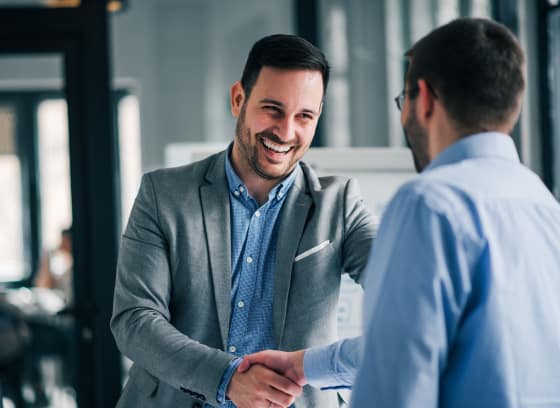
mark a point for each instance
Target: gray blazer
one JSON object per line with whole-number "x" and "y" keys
{"x": 171, "y": 308}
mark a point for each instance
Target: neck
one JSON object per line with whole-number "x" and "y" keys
{"x": 257, "y": 186}
{"x": 442, "y": 134}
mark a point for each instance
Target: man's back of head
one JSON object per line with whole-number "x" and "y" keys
{"x": 476, "y": 67}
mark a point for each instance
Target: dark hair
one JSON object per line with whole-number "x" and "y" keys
{"x": 283, "y": 51}
{"x": 475, "y": 66}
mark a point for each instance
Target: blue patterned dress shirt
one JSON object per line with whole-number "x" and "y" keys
{"x": 253, "y": 254}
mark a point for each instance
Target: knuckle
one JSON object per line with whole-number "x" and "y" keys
{"x": 287, "y": 400}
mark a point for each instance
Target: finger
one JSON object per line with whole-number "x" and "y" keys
{"x": 279, "y": 399}
{"x": 245, "y": 364}
{"x": 256, "y": 358}
{"x": 250, "y": 360}
{"x": 284, "y": 385}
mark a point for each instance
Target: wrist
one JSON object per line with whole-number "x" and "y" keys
{"x": 299, "y": 366}
{"x": 227, "y": 378}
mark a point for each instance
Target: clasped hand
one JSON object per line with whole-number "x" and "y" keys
{"x": 268, "y": 379}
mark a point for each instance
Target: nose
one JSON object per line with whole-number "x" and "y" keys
{"x": 287, "y": 129}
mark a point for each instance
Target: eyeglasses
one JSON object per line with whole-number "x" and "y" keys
{"x": 399, "y": 100}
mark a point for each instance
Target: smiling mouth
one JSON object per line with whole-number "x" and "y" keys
{"x": 275, "y": 147}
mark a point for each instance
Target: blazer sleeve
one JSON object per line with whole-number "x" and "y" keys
{"x": 359, "y": 233}
{"x": 141, "y": 315}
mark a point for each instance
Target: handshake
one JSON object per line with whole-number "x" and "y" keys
{"x": 268, "y": 379}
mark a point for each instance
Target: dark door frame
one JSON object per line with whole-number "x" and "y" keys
{"x": 81, "y": 35}
{"x": 306, "y": 17}
{"x": 544, "y": 8}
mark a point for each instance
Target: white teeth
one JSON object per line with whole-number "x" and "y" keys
{"x": 276, "y": 147}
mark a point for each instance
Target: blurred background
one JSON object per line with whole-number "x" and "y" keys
{"x": 94, "y": 93}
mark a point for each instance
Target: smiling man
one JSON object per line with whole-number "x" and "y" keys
{"x": 275, "y": 125}
{"x": 241, "y": 252}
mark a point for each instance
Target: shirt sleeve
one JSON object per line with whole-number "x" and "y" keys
{"x": 416, "y": 287}
{"x": 226, "y": 378}
{"x": 332, "y": 366}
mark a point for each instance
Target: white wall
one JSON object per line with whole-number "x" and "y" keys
{"x": 182, "y": 57}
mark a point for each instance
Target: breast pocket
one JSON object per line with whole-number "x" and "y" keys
{"x": 313, "y": 250}
{"x": 320, "y": 255}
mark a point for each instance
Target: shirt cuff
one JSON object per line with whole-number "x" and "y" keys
{"x": 226, "y": 378}
{"x": 333, "y": 366}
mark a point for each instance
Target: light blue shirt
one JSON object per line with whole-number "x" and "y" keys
{"x": 253, "y": 253}
{"x": 462, "y": 302}
{"x": 333, "y": 366}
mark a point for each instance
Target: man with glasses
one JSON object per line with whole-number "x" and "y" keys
{"x": 461, "y": 305}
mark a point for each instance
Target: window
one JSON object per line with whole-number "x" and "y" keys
{"x": 12, "y": 261}
{"x": 54, "y": 170}
{"x": 19, "y": 113}
{"x": 365, "y": 42}
{"x": 130, "y": 158}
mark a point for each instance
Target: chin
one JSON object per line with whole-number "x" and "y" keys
{"x": 271, "y": 173}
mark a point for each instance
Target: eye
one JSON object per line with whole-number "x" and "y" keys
{"x": 272, "y": 108}
{"x": 306, "y": 116}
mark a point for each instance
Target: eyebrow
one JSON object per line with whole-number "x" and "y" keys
{"x": 281, "y": 105}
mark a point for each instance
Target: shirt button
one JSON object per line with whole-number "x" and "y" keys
{"x": 236, "y": 193}
{"x": 280, "y": 195}
{"x": 232, "y": 349}
{"x": 241, "y": 304}
{"x": 241, "y": 189}
{"x": 257, "y": 213}
{"x": 249, "y": 259}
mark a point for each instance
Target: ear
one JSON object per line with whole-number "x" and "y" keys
{"x": 425, "y": 101}
{"x": 237, "y": 98}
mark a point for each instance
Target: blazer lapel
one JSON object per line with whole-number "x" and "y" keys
{"x": 216, "y": 213}
{"x": 291, "y": 223}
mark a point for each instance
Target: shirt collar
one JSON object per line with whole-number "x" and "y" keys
{"x": 487, "y": 144}
{"x": 238, "y": 188}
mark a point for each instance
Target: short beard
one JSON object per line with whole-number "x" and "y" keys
{"x": 242, "y": 131}
{"x": 417, "y": 140}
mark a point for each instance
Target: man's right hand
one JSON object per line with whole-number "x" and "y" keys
{"x": 260, "y": 387}
{"x": 289, "y": 364}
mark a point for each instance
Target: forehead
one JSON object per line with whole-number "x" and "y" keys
{"x": 289, "y": 86}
